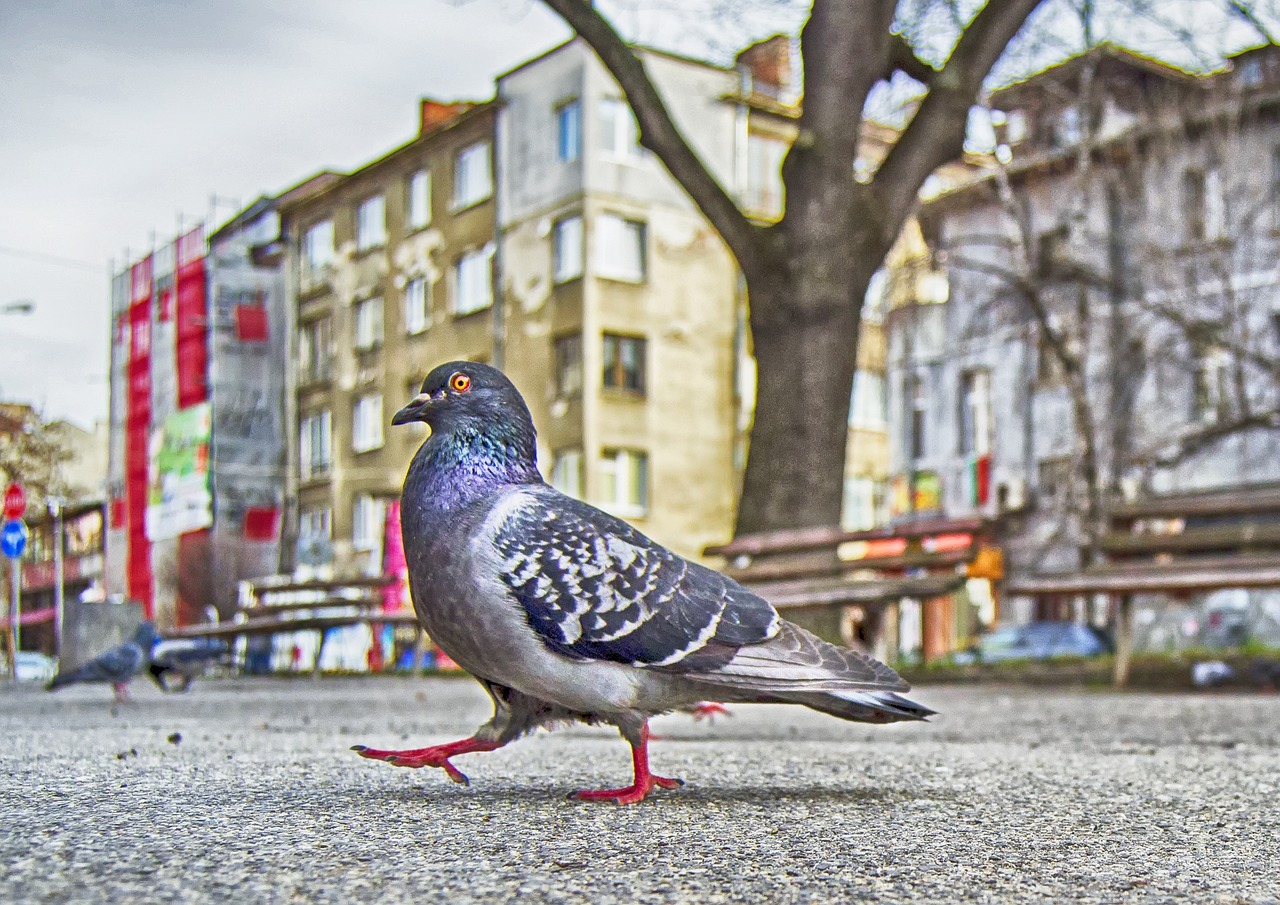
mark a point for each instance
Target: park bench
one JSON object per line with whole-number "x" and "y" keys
{"x": 827, "y": 570}
{"x": 1178, "y": 544}
{"x": 271, "y": 607}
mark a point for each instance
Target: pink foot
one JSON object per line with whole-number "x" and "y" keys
{"x": 709, "y": 710}
{"x": 632, "y": 794}
{"x": 645, "y": 782}
{"x": 434, "y": 756}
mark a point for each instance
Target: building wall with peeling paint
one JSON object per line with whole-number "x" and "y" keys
{"x": 684, "y": 308}
{"x": 395, "y": 365}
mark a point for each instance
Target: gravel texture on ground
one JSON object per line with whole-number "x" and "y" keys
{"x": 244, "y": 791}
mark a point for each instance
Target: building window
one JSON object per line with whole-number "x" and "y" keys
{"x": 619, "y": 136}
{"x": 315, "y": 350}
{"x": 764, "y": 175}
{"x": 569, "y": 366}
{"x": 569, "y": 131}
{"x": 862, "y": 504}
{"x": 473, "y": 277}
{"x": 568, "y": 472}
{"x": 624, "y": 481}
{"x": 1211, "y": 385}
{"x": 975, "y": 413}
{"x": 567, "y": 249}
{"x": 623, "y": 363}
{"x": 1203, "y": 199}
{"x": 317, "y": 252}
{"x": 315, "y": 524}
{"x": 368, "y": 323}
{"x": 417, "y": 305}
{"x": 419, "y": 200}
{"x": 366, "y": 423}
{"x": 620, "y": 248}
{"x": 876, "y": 301}
{"x": 368, "y": 514}
{"x": 371, "y": 223}
{"x": 313, "y": 440}
{"x": 917, "y": 415}
{"x": 472, "y": 175}
{"x": 869, "y": 408}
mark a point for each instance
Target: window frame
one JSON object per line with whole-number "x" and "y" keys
{"x": 564, "y": 459}
{"x": 414, "y": 223}
{"x": 614, "y": 378}
{"x": 315, "y": 266}
{"x": 482, "y": 149}
{"x": 367, "y": 434}
{"x": 559, "y": 244}
{"x": 371, "y": 232}
{"x": 606, "y": 268}
{"x": 485, "y": 255}
{"x": 313, "y": 426}
{"x": 569, "y": 151}
{"x": 417, "y": 320}
{"x": 376, "y": 337}
{"x": 568, "y": 374}
{"x": 315, "y": 353}
{"x": 610, "y": 470}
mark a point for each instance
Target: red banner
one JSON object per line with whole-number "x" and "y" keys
{"x": 137, "y": 435}
{"x": 192, "y": 320}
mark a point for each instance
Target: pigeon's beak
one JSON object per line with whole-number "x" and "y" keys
{"x": 413, "y": 411}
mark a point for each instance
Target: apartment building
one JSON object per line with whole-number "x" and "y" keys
{"x": 392, "y": 268}
{"x": 621, "y": 302}
{"x": 196, "y": 442}
{"x": 1148, "y": 257}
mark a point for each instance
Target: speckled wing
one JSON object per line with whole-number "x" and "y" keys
{"x": 593, "y": 587}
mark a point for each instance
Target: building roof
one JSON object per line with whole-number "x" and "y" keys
{"x": 296, "y": 197}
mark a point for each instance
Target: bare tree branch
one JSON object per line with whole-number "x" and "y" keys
{"x": 936, "y": 133}
{"x": 1173, "y": 453}
{"x": 659, "y": 133}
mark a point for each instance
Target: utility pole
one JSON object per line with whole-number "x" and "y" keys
{"x": 55, "y": 510}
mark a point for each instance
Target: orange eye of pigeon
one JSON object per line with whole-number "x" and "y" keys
{"x": 460, "y": 382}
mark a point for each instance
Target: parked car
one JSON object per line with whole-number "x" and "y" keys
{"x": 1036, "y": 641}
{"x": 33, "y": 666}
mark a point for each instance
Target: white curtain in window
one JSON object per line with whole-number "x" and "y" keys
{"x": 620, "y": 248}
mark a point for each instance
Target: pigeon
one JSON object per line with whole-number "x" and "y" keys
{"x": 565, "y": 613}
{"x": 186, "y": 658}
{"x": 117, "y": 665}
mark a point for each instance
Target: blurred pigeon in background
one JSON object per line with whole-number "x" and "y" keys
{"x": 185, "y": 658}
{"x": 117, "y": 665}
{"x": 564, "y": 612}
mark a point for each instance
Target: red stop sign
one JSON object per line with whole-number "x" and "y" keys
{"x": 15, "y": 501}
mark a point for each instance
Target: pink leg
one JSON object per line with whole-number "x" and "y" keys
{"x": 709, "y": 710}
{"x": 645, "y": 782}
{"x": 434, "y": 756}
{"x": 121, "y": 690}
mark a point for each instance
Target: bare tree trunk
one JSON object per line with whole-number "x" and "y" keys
{"x": 1124, "y": 641}
{"x": 805, "y": 365}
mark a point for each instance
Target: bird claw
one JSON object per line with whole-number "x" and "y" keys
{"x": 421, "y": 757}
{"x": 709, "y": 710}
{"x": 632, "y": 794}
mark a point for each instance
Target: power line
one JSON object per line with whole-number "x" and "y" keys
{"x": 55, "y": 260}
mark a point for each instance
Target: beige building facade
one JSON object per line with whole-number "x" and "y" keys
{"x": 392, "y": 274}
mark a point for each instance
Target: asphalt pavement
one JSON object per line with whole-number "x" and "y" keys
{"x": 245, "y": 791}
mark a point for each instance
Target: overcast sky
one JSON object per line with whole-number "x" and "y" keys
{"x": 119, "y": 117}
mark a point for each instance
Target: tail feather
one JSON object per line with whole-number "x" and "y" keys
{"x": 862, "y": 706}
{"x": 798, "y": 667}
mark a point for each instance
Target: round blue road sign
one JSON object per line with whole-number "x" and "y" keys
{"x": 13, "y": 538}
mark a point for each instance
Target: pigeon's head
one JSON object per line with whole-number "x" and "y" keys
{"x": 146, "y": 636}
{"x": 467, "y": 394}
